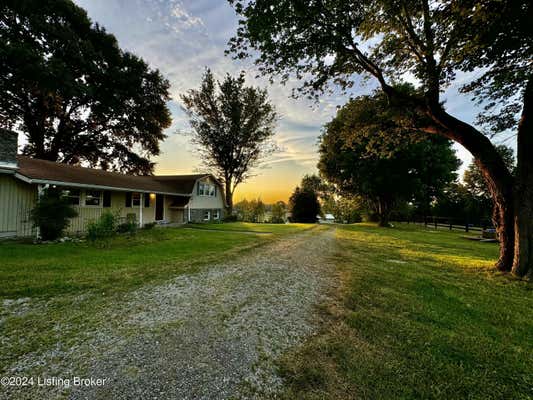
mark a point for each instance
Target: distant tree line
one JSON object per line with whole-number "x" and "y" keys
{"x": 256, "y": 210}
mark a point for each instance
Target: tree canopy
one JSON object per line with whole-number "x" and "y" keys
{"x": 232, "y": 127}
{"x": 332, "y": 41}
{"x": 473, "y": 178}
{"x": 304, "y": 206}
{"x": 351, "y": 159}
{"x": 74, "y": 93}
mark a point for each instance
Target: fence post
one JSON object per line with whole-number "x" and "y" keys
{"x": 466, "y": 226}
{"x": 435, "y": 222}
{"x": 450, "y": 224}
{"x": 425, "y": 221}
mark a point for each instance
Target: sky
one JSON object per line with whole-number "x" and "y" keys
{"x": 181, "y": 38}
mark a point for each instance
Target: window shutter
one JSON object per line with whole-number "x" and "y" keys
{"x": 198, "y": 189}
{"x": 146, "y": 200}
{"x": 215, "y": 190}
{"x": 107, "y": 199}
{"x": 128, "y": 199}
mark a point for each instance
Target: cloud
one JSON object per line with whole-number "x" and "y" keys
{"x": 180, "y": 38}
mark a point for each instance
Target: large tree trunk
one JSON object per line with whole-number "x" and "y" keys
{"x": 384, "y": 211}
{"x": 228, "y": 196}
{"x": 498, "y": 177}
{"x": 523, "y": 220}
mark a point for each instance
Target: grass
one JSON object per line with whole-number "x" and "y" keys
{"x": 420, "y": 314}
{"x": 68, "y": 284}
{"x": 276, "y": 229}
{"x": 29, "y": 270}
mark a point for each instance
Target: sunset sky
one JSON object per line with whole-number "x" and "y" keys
{"x": 180, "y": 38}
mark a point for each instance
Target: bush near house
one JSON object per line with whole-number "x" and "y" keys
{"x": 52, "y": 214}
{"x": 103, "y": 228}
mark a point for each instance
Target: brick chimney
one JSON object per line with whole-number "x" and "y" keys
{"x": 8, "y": 148}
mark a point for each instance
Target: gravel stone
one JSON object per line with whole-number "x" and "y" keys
{"x": 215, "y": 334}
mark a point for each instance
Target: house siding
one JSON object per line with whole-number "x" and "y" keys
{"x": 16, "y": 201}
{"x": 200, "y": 204}
{"x": 18, "y": 198}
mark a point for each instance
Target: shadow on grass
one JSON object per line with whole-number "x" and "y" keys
{"x": 419, "y": 315}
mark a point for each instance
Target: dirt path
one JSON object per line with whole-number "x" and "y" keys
{"x": 214, "y": 334}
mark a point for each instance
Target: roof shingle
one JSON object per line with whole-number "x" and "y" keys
{"x": 42, "y": 170}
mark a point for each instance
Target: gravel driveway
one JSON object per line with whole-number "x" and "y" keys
{"x": 210, "y": 335}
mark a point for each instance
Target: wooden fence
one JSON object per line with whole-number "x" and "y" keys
{"x": 449, "y": 223}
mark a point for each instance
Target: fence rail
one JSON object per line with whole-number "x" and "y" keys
{"x": 448, "y": 223}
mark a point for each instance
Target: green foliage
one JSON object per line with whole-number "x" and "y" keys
{"x": 279, "y": 213}
{"x": 345, "y": 209}
{"x": 149, "y": 225}
{"x": 232, "y": 127}
{"x": 74, "y": 93}
{"x": 385, "y": 169}
{"x": 230, "y": 218}
{"x": 52, "y": 213}
{"x": 250, "y": 211}
{"x": 473, "y": 178}
{"x": 327, "y": 41}
{"x": 130, "y": 227}
{"x": 104, "y": 228}
{"x": 304, "y": 206}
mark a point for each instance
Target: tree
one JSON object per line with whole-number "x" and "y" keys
{"x": 250, "y": 211}
{"x": 473, "y": 177}
{"x": 279, "y": 212}
{"x": 458, "y": 203}
{"x": 258, "y": 210}
{"x": 232, "y": 128}
{"x": 75, "y": 94}
{"x": 332, "y": 40}
{"x": 304, "y": 206}
{"x": 52, "y": 214}
{"x": 346, "y": 209}
{"x": 384, "y": 174}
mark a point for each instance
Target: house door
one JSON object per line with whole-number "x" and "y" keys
{"x": 159, "y": 205}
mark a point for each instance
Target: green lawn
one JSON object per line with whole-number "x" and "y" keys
{"x": 276, "y": 229}
{"x": 420, "y": 314}
{"x": 124, "y": 262}
{"x": 67, "y": 285}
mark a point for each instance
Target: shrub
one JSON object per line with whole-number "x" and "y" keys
{"x": 52, "y": 214}
{"x": 129, "y": 227}
{"x": 102, "y": 228}
{"x": 304, "y": 206}
{"x": 230, "y": 218}
{"x": 149, "y": 225}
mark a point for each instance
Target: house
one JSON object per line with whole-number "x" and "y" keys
{"x": 162, "y": 199}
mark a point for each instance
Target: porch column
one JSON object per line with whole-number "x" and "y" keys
{"x": 40, "y": 190}
{"x": 141, "y": 205}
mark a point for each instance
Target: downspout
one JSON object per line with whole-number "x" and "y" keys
{"x": 188, "y": 213}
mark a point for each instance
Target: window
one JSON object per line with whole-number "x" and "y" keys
{"x": 216, "y": 215}
{"x": 73, "y": 196}
{"x": 106, "y": 199}
{"x": 135, "y": 199}
{"x": 206, "y": 189}
{"x": 207, "y": 215}
{"x": 92, "y": 197}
